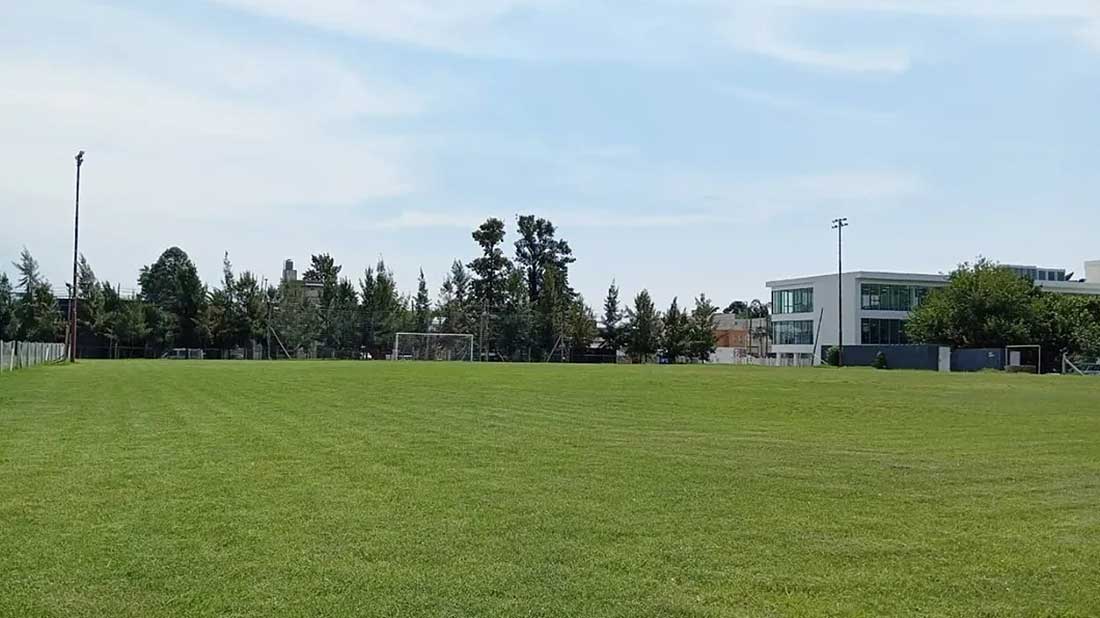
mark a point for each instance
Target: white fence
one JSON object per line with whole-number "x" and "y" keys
{"x": 22, "y": 354}
{"x": 801, "y": 360}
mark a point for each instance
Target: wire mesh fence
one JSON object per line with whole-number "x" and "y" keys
{"x": 23, "y": 354}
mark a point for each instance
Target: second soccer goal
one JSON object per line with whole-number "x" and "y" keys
{"x": 433, "y": 346}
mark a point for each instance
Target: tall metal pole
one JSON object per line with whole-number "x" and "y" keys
{"x": 839, "y": 225}
{"x": 74, "y": 292}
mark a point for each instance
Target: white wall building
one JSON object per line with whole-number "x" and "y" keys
{"x": 875, "y": 306}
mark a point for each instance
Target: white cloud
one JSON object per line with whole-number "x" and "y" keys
{"x": 658, "y": 31}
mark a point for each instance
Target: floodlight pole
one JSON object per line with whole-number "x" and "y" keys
{"x": 73, "y": 293}
{"x": 839, "y": 225}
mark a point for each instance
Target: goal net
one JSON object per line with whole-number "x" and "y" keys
{"x": 433, "y": 347}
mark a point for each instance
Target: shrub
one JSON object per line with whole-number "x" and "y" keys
{"x": 880, "y": 361}
{"x": 832, "y": 356}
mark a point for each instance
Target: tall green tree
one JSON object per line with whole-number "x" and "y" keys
{"x": 703, "y": 340}
{"x": 644, "y": 328}
{"x": 454, "y": 301}
{"x": 9, "y": 327}
{"x": 92, "y": 315}
{"x": 984, "y": 305}
{"x": 551, "y": 313}
{"x": 1066, "y": 324}
{"x": 296, "y": 319}
{"x": 251, "y": 309}
{"x": 581, "y": 329}
{"x": 422, "y": 306}
{"x": 537, "y": 249}
{"x": 613, "y": 333}
{"x": 492, "y": 267}
{"x": 344, "y": 316}
{"x": 29, "y": 273}
{"x": 513, "y": 328}
{"x": 676, "y": 334}
{"x": 382, "y": 311}
{"x": 172, "y": 285}
{"x": 128, "y": 323}
{"x": 323, "y": 269}
{"x": 37, "y": 314}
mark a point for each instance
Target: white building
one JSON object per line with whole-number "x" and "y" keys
{"x": 875, "y": 306}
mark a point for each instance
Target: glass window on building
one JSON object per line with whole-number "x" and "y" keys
{"x": 793, "y": 301}
{"x": 883, "y": 332}
{"x": 891, "y": 297}
{"x": 796, "y": 332}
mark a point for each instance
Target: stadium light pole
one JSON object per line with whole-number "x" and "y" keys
{"x": 839, "y": 225}
{"x": 76, "y": 244}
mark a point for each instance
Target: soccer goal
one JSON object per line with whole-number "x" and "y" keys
{"x": 433, "y": 346}
{"x": 1027, "y": 358}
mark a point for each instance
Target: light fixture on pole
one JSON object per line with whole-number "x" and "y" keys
{"x": 839, "y": 225}
{"x": 73, "y": 292}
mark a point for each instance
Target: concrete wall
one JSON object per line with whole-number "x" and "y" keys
{"x": 1092, "y": 271}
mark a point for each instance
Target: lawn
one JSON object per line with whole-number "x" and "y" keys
{"x": 160, "y": 488}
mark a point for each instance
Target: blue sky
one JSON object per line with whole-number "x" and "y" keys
{"x": 679, "y": 146}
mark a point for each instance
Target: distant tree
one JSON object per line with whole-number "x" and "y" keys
{"x": 296, "y": 320}
{"x": 323, "y": 269}
{"x": 162, "y": 325}
{"x": 128, "y": 323}
{"x": 536, "y": 250}
{"x": 984, "y": 305}
{"x": 29, "y": 274}
{"x": 251, "y": 309}
{"x": 172, "y": 285}
{"x": 551, "y": 314}
{"x": 612, "y": 332}
{"x": 643, "y": 340}
{"x": 343, "y": 326}
{"x": 1066, "y": 324}
{"x": 703, "y": 340}
{"x": 92, "y": 314}
{"x": 454, "y": 300}
{"x": 514, "y": 326}
{"x": 422, "y": 306}
{"x": 382, "y": 310}
{"x": 8, "y": 324}
{"x": 37, "y": 314}
{"x": 581, "y": 329}
{"x": 738, "y": 308}
{"x": 491, "y": 269}
{"x": 759, "y": 309}
{"x": 676, "y": 334}
{"x": 220, "y": 320}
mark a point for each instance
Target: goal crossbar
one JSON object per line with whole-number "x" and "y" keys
{"x": 433, "y": 348}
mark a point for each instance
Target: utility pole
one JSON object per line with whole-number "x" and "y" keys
{"x": 76, "y": 244}
{"x": 839, "y": 225}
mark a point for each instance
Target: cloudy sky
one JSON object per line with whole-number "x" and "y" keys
{"x": 679, "y": 145}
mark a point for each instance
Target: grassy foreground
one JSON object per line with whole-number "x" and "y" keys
{"x": 159, "y": 488}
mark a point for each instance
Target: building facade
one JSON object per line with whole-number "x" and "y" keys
{"x": 874, "y": 306}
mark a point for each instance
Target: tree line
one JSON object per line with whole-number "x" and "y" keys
{"x": 518, "y": 305}
{"x": 986, "y": 305}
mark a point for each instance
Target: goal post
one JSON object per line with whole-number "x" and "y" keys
{"x": 1024, "y": 356}
{"x": 433, "y": 346}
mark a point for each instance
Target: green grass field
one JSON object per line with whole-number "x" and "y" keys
{"x": 159, "y": 488}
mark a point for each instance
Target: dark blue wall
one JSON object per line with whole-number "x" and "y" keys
{"x": 977, "y": 359}
{"x": 897, "y": 356}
